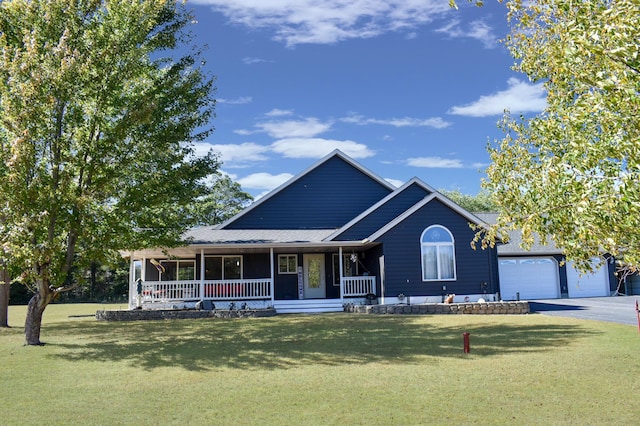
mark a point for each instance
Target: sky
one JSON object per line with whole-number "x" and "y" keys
{"x": 408, "y": 88}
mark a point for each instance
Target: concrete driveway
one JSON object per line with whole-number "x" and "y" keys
{"x": 619, "y": 309}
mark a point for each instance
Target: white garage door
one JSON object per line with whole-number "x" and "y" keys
{"x": 529, "y": 278}
{"x": 589, "y": 285}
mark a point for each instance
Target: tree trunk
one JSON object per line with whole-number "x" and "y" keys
{"x": 5, "y": 287}
{"x": 35, "y": 309}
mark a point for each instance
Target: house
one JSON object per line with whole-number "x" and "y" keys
{"x": 542, "y": 272}
{"x": 334, "y": 234}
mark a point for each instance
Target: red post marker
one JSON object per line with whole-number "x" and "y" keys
{"x": 465, "y": 338}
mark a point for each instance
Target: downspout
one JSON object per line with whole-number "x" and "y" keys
{"x": 382, "y": 278}
{"x": 341, "y": 282}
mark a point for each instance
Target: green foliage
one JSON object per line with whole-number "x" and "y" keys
{"x": 225, "y": 200}
{"x": 96, "y": 129}
{"x": 481, "y": 202}
{"x": 573, "y": 173}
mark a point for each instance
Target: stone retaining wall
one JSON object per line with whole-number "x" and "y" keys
{"x": 144, "y": 314}
{"x": 487, "y": 308}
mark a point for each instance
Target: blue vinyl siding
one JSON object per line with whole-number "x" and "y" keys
{"x": 384, "y": 214}
{"x": 403, "y": 265}
{"x": 326, "y": 197}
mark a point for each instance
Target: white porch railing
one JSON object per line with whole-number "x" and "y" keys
{"x": 358, "y": 286}
{"x": 156, "y": 291}
{"x": 161, "y": 291}
{"x": 237, "y": 289}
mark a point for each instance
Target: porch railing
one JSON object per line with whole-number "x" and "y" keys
{"x": 358, "y": 286}
{"x": 161, "y": 291}
{"x": 238, "y": 289}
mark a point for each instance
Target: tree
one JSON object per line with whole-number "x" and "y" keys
{"x": 225, "y": 200}
{"x": 5, "y": 287}
{"x": 96, "y": 125}
{"x": 478, "y": 203}
{"x": 573, "y": 173}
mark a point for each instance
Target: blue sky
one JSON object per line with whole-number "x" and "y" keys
{"x": 406, "y": 87}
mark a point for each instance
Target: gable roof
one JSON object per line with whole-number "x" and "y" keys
{"x": 380, "y": 204}
{"x": 294, "y": 192}
{"x": 434, "y": 196}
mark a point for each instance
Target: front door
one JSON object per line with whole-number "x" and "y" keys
{"x": 314, "y": 276}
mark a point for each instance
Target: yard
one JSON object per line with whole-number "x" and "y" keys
{"x": 319, "y": 369}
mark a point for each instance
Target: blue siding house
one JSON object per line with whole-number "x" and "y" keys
{"x": 334, "y": 234}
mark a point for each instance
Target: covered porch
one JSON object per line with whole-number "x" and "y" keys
{"x": 312, "y": 276}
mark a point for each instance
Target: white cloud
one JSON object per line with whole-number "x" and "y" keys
{"x": 276, "y": 112}
{"x": 242, "y": 100}
{"x": 329, "y": 21}
{"x": 478, "y": 30}
{"x": 318, "y": 148}
{"x": 435, "y": 163}
{"x": 248, "y": 60}
{"x": 520, "y": 97}
{"x": 264, "y": 181}
{"x": 201, "y": 148}
{"x": 306, "y": 128}
{"x": 234, "y": 155}
{"x": 480, "y": 166}
{"x": 395, "y": 182}
{"x": 435, "y": 122}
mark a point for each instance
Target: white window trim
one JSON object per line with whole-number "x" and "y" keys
{"x": 452, "y": 244}
{"x": 286, "y": 260}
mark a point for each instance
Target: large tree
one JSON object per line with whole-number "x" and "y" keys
{"x": 226, "y": 199}
{"x": 97, "y": 118}
{"x": 481, "y": 202}
{"x": 573, "y": 172}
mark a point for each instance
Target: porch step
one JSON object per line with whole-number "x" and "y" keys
{"x": 307, "y": 306}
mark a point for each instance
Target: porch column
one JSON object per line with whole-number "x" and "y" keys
{"x": 272, "y": 282}
{"x": 132, "y": 287}
{"x": 340, "y": 261}
{"x": 201, "y": 274}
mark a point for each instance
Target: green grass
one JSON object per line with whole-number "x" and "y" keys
{"x": 319, "y": 369}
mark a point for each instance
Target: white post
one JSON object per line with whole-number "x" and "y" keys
{"x": 340, "y": 261}
{"x": 132, "y": 289}
{"x": 272, "y": 285}
{"x": 201, "y": 274}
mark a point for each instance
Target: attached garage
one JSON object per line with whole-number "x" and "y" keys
{"x": 633, "y": 285}
{"x": 595, "y": 284}
{"x": 528, "y": 278}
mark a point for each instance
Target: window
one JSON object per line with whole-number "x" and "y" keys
{"x": 288, "y": 264}
{"x": 349, "y": 267}
{"x": 223, "y": 267}
{"x": 137, "y": 269}
{"x": 178, "y": 270}
{"x": 438, "y": 254}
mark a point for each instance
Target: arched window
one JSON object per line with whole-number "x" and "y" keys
{"x": 438, "y": 254}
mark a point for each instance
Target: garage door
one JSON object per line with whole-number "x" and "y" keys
{"x": 588, "y": 285}
{"x": 529, "y": 278}
{"x": 633, "y": 285}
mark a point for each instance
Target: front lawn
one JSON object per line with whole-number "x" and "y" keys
{"x": 319, "y": 369}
